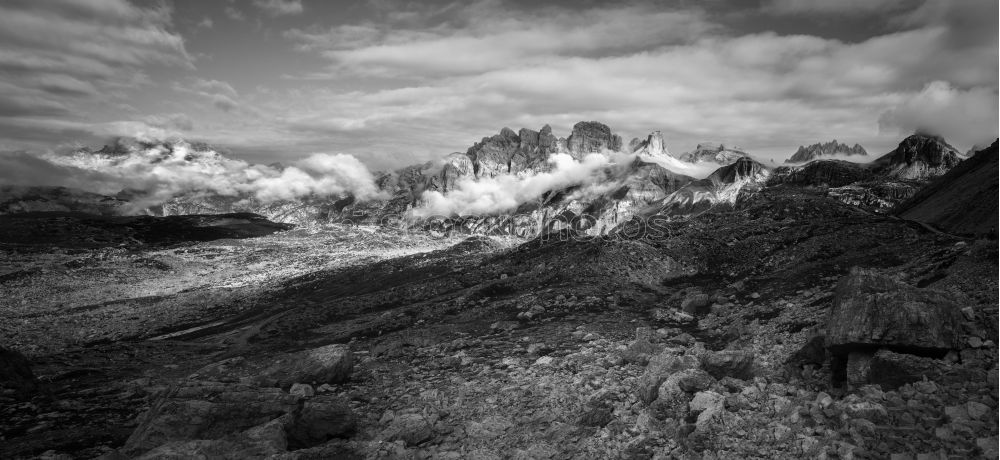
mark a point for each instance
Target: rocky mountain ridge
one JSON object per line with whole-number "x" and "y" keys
{"x": 649, "y": 182}
{"x": 825, "y": 149}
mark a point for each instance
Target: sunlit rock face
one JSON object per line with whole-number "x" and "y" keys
{"x": 652, "y": 146}
{"x": 716, "y": 153}
{"x": 723, "y": 187}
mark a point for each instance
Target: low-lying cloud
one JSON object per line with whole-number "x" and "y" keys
{"x": 154, "y": 174}
{"x": 504, "y": 193}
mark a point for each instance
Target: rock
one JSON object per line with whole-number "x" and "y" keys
{"x": 538, "y": 349}
{"x": 640, "y": 351}
{"x": 597, "y": 413}
{"x": 302, "y": 389}
{"x": 871, "y": 310}
{"x": 859, "y": 367}
{"x": 825, "y": 149}
{"x": 659, "y": 368}
{"x": 696, "y": 304}
{"x": 709, "y": 404}
{"x": 692, "y": 380}
{"x": 591, "y": 137}
{"x": 328, "y": 364}
{"x": 728, "y": 363}
{"x": 892, "y": 370}
{"x": 671, "y": 315}
{"x": 258, "y": 442}
{"x": 977, "y": 410}
{"x": 15, "y": 372}
{"x": 867, "y": 410}
{"x": 412, "y": 429}
{"x": 988, "y": 446}
{"x": 544, "y": 361}
{"x": 206, "y": 410}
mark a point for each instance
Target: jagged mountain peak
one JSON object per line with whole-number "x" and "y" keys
{"x": 825, "y": 149}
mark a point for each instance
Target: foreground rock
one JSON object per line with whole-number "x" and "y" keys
{"x": 327, "y": 364}
{"x": 242, "y": 419}
{"x": 16, "y": 378}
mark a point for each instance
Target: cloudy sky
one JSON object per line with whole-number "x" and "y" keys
{"x": 397, "y": 82}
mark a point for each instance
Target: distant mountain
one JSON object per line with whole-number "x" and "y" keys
{"x": 722, "y": 187}
{"x": 920, "y": 156}
{"x": 825, "y": 149}
{"x": 717, "y": 153}
{"x": 963, "y": 200}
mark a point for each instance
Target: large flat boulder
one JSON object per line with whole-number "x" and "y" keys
{"x": 872, "y": 311}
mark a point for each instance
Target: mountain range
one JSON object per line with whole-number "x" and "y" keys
{"x": 623, "y": 181}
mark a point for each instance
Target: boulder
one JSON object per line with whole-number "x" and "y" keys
{"x": 15, "y": 373}
{"x": 329, "y": 364}
{"x": 872, "y": 311}
{"x": 696, "y": 304}
{"x": 206, "y": 411}
{"x": 258, "y": 442}
{"x": 893, "y": 370}
{"x": 660, "y": 367}
{"x": 320, "y": 419}
{"x": 728, "y": 363}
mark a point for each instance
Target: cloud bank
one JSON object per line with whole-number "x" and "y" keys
{"x": 152, "y": 174}
{"x": 504, "y": 193}
{"x": 953, "y": 113}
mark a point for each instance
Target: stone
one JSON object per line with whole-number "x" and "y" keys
{"x": 893, "y": 370}
{"x": 871, "y": 310}
{"x": 206, "y": 410}
{"x": 15, "y": 372}
{"x": 977, "y": 410}
{"x": 867, "y": 410}
{"x": 671, "y": 315}
{"x": 319, "y": 420}
{"x": 693, "y": 380}
{"x": 640, "y": 351}
{"x": 412, "y": 429}
{"x": 859, "y": 366}
{"x": 696, "y": 304}
{"x": 328, "y": 364}
{"x": 728, "y": 363}
{"x": 989, "y": 446}
{"x": 263, "y": 441}
{"x": 544, "y": 361}
{"x": 659, "y": 368}
{"x": 302, "y": 389}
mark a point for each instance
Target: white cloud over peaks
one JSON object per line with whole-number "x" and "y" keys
{"x": 161, "y": 171}
{"x": 506, "y": 192}
{"x": 963, "y": 117}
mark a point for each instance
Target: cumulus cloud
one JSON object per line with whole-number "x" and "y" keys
{"x": 220, "y": 94}
{"x": 506, "y": 192}
{"x": 964, "y": 117}
{"x": 651, "y": 69}
{"x": 154, "y": 172}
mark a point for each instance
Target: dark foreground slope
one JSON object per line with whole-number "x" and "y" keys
{"x": 963, "y": 201}
{"x": 706, "y": 338}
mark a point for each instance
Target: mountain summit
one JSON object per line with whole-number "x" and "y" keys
{"x": 825, "y": 149}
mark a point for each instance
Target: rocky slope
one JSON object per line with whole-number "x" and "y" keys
{"x": 723, "y": 187}
{"x": 825, "y": 149}
{"x": 963, "y": 200}
{"x": 742, "y": 332}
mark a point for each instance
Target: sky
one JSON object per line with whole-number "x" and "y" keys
{"x": 400, "y": 82}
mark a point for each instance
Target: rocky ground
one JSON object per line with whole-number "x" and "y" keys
{"x": 791, "y": 326}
